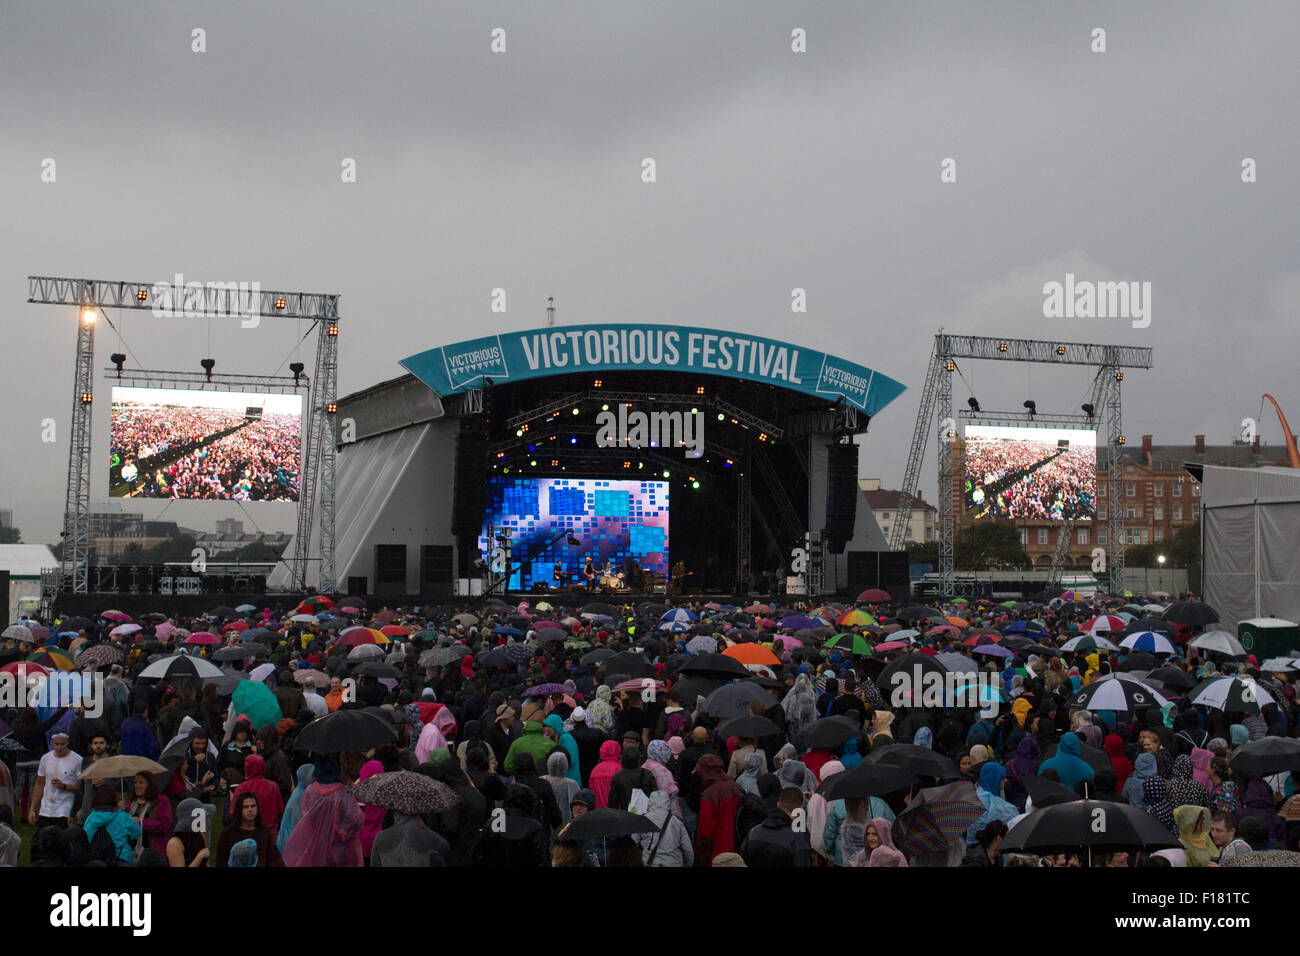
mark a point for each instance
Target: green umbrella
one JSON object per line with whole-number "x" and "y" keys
{"x": 254, "y": 699}
{"x": 960, "y": 600}
{"x": 1009, "y": 603}
{"x": 853, "y": 643}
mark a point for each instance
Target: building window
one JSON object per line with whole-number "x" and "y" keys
{"x": 884, "y": 516}
{"x": 1159, "y": 534}
{"x": 1101, "y": 513}
{"x": 1024, "y": 536}
{"x": 1145, "y": 539}
{"x": 1178, "y": 490}
{"x": 1130, "y": 512}
{"x": 1158, "y": 489}
{"x": 1101, "y": 535}
{"x": 1130, "y": 489}
{"x": 1196, "y": 512}
{"x": 1042, "y": 536}
{"x": 1083, "y": 536}
{"x": 1178, "y": 512}
{"x": 1196, "y": 491}
{"x": 1159, "y": 512}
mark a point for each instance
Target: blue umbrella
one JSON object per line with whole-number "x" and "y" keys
{"x": 1151, "y": 641}
{"x": 797, "y": 622}
{"x": 994, "y": 650}
{"x": 675, "y": 627}
{"x": 256, "y": 634}
{"x": 680, "y": 615}
{"x": 508, "y": 631}
{"x": 1024, "y": 627}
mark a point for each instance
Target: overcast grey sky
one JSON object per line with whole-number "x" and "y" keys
{"x": 776, "y": 170}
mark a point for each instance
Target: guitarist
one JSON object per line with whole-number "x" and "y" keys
{"x": 679, "y": 576}
{"x": 590, "y": 573}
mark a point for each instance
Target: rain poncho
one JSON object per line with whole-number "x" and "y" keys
{"x": 374, "y": 816}
{"x": 600, "y": 714}
{"x": 989, "y": 793}
{"x": 754, "y": 766}
{"x": 800, "y": 705}
{"x": 849, "y": 756}
{"x": 1183, "y": 790}
{"x": 1069, "y": 766}
{"x": 565, "y": 741}
{"x": 431, "y": 739}
{"x": 1155, "y": 799}
{"x": 557, "y": 775}
{"x": 329, "y": 832}
{"x": 657, "y": 763}
{"x": 924, "y": 737}
{"x": 1197, "y": 845}
{"x": 293, "y": 806}
{"x": 243, "y": 854}
{"x": 885, "y": 833}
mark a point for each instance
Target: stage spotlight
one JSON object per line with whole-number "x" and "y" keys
{"x": 573, "y": 440}
{"x": 280, "y": 303}
{"x": 1088, "y": 409}
{"x": 519, "y": 433}
{"x": 505, "y": 471}
{"x": 1060, "y": 350}
{"x": 208, "y": 365}
{"x": 332, "y": 331}
{"x": 575, "y": 411}
{"x": 1002, "y": 346}
{"x": 1119, "y": 376}
{"x": 721, "y": 417}
{"x": 1032, "y": 406}
{"x": 88, "y": 315}
{"x": 532, "y": 448}
{"x": 974, "y": 405}
{"x": 627, "y": 464}
{"x": 605, "y": 407}
{"x": 533, "y": 463}
{"x": 640, "y": 465}
{"x": 555, "y": 463}
{"x": 141, "y": 295}
{"x": 598, "y": 383}
{"x": 950, "y": 365}
{"x": 331, "y": 408}
{"x": 85, "y": 398}
{"x": 695, "y": 411}
{"x": 699, "y": 389}
{"x": 1122, "y": 440}
{"x": 667, "y": 474}
{"x": 727, "y": 463}
{"x": 119, "y": 360}
{"x": 296, "y": 368}
{"x": 695, "y": 484}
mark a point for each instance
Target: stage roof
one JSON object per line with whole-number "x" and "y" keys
{"x": 540, "y": 353}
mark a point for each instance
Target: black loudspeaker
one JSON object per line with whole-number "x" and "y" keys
{"x": 887, "y": 570}
{"x": 470, "y": 484}
{"x": 841, "y": 495}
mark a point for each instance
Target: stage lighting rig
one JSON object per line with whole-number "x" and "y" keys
{"x": 1088, "y": 409}
{"x": 974, "y": 405}
{"x": 1032, "y": 406}
{"x": 297, "y": 369}
{"x": 118, "y": 359}
{"x": 208, "y": 365}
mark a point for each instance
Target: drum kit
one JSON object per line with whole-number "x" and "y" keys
{"x": 612, "y": 582}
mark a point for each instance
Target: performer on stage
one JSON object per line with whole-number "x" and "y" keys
{"x": 679, "y": 577}
{"x": 589, "y": 572}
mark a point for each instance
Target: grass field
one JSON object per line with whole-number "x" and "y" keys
{"x": 27, "y": 832}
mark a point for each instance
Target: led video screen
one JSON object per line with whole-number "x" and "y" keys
{"x": 195, "y": 444}
{"x": 1014, "y": 473}
{"x": 621, "y": 528}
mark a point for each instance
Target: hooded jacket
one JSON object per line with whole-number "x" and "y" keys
{"x": 776, "y": 843}
{"x": 566, "y": 743}
{"x": 1143, "y": 767}
{"x": 719, "y": 803}
{"x": 1019, "y": 769}
{"x": 603, "y": 774}
{"x": 1123, "y": 766}
{"x": 1069, "y": 766}
{"x": 671, "y": 846}
{"x": 988, "y": 793}
{"x": 269, "y": 802}
{"x": 557, "y": 775}
{"x": 532, "y": 741}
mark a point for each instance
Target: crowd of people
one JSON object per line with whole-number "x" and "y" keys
{"x": 1027, "y": 479}
{"x": 205, "y": 453}
{"x": 530, "y": 718}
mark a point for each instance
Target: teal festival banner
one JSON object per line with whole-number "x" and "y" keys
{"x": 593, "y": 349}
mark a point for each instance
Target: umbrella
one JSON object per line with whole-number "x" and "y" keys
{"x": 629, "y": 663}
{"x": 921, "y": 761}
{"x": 411, "y": 793}
{"x": 1276, "y": 664}
{"x": 124, "y": 629}
{"x": 519, "y": 653}
{"x": 223, "y": 613}
{"x": 1219, "y": 642}
{"x": 1046, "y": 793}
{"x": 203, "y": 639}
{"x": 237, "y": 653}
{"x": 721, "y": 666}
{"x": 678, "y": 615}
{"x": 507, "y": 631}
{"x": 258, "y": 635}
{"x": 354, "y": 636}
{"x": 605, "y": 822}
{"x": 752, "y": 654}
{"x": 497, "y": 657}
{"x": 866, "y": 780}
{"x": 378, "y": 669}
{"x": 177, "y": 666}
{"x": 1119, "y": 693}
{"x": 257, "y": 702}
{"x": 25, "y": 669}
{"x": 304, "y": 618}
{"x": 346, "y": 730}
{"x": 442, "y": 656}
{"x": 1137, "y": 661}
{"x": 993, "y": 650}
{"x": 904, "y": 677}
{"x": 1230, "y": 694}
{"x": 828, "y": 732}
{"x": 1026, "y": 627}
{"x": 1090, "y": 823}
{"x": 1266, "y": 756}
{"x": 366, "y": 652}
{"x": 1088, "y": 642}
{"x": 1104, "y": 623}
{"x": 52, "y": 657}
{"x": 116, "y": 616}
{"x": 702, "y": 644}
{"x": 733, "y": 700}
{"x": 747, "y": 726}
{"x": 99, "y": 655}
{"x": 1172, "y": 677}
{"x": 598, "y": 655}
{"x": 121, "y": 765}
{"x": 918, "y": 613}
{"x": 1149, "y": 624}
{"x": 314, "y": 605}
{"x": 1149, "y": 641}
{"x": 245, "y": 609}
{"x": 850, "y": 644}
{"x": 1191, "y": 614}
{"x": 234, "y": 626}
{"x": 546, "y": 690}
{"x": 394, "y": 630}
{"x": 874, "y": 596}
{"x": 637, "y": 685}
{"x": 311, "y": 678}
{"x": 690, "y": 687}
{"x": 598, "y": 609}
{"x": 465, "y": 618}
{"x": 758, "y": 609}
{"x": 936, "y": 817}
{"x": 548, "y": 625}
{"x": 958, "y": 663}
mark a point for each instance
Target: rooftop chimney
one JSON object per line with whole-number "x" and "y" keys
{"x": 1146, "y": 444}
{"x": 1200, "y": 444}
{"x": 1254, "y": 446}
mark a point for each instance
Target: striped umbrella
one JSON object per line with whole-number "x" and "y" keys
{"x": 1149, "y": 641}
{"x": 1231, "y": 694}
{"x": 52, "y": 658}
{"x": 314, "y": 605}
{"x": 1120, "y": 693}
{"x": 1088, "y": 642}
{"x": 850, "y": 643}
{"x": 1104, "y": 623}
{"x": 936, "y": 817}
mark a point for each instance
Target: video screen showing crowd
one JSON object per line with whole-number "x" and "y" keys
{"x": 223, "y": 447}
{"x": 1029, "y": 473}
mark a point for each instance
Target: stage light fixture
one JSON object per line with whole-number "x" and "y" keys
{"x": 695, "y": 411}
{"x": 297, "y": 369}
{"x": 727, "y": 463}
{"x": 85, "y": 398}
{"x": 598, "y": 383}
{"x": 573, "y": 440}
{"x": 118, "y": 359}
{"x": 627, "y": 464}
{"x": 88, "y": 315}
{"x": 1122, "y": 440}
{"x": 280, "y": 303}
{"x": 1060, "y": 350}
{"x": 762, "y": 436}
{"x": 533, "y": 463}
{"x": 573, "y": 542}
{"x": 555, "y": 463}
{"x": 605, "y": 407}
{"x": 1002, "y": 346}
{"x": 208, "y": 365}
{"x": 699, "y": 389}
{"x": 640, "y": 465}
{"x": 332, "y": 331}
{"x": 666, "y": 474}
{"x": 974, "y": 405}
{"x": 575, "y": 411}
{"x": 1032, "y": 406}
{"x": 950, "y": 365}
{"x": 721, "y": 417}
{"x": 695, "y": 484}
{"x": 519, "y": 433}
{"x": 1119, "y": 376}
{"x": 532, "y": 448}
{"x": 1088, "y": 409}
{"x": 331, "y": 408}
{"x": 505, "y": 471}
{"x": 141, "y": 295}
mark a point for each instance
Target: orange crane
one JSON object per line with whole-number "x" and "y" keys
{"x": 1291, "y": 451}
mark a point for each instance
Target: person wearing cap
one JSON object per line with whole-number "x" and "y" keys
{"x": 189, "y": 843}
{"x": 56, "y": 784}
{"x": 588, "y": 740}
{"x": 500, "y": 735}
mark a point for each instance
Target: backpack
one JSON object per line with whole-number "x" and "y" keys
{"x": 103, "y": 848}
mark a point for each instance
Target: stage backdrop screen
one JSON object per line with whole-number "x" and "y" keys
{"x": 196, "y": 444}
{"x": 1014, "y": 473}
{"x": 615, "y": 520}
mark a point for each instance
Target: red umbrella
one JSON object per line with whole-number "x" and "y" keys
{"x": 884, "y": 647}
{"x": 30, "y": 668}
{"x": 874, "y": 596}
{"x": 394, "y": 630}
{"x": 541, "y": 624}
{"x": 235, "y": 626}
{"x": 976, "y": 639}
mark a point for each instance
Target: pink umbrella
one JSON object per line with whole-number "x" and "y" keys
{"x": 203, "y": 637}
{"x": 790, "y": 642}
{"x": 123, "y": 629}
{"x": 884, "y": 647}
{"x": 117, "y": 616}
{"x": 944, "y": 629}
{"x": 164, "y": 630}
{"x": 235, "y": 626}
{"x": 765, "y": 622}
{"x": 541, "y": 624}
{"x": 349, "y": 610}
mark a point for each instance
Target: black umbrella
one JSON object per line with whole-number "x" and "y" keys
{"x": 1090, "y": 823}
{"x": 237, "y": 653}
{"x": 921, "y": 761}
{"x": 1046, "y": 793}
{"x": 1141, "y": 661}
{"x": 1191, "y": 614}
{"x": 179, "y": 666}
{"x": 346, "y": 730}
{"x": 918, "y": 613}
{"x": 688, "y": 688}
{"x": 1156, "y": 624}
{"x": 867, "y": 780}
{"x": 606, "y": 822}
{"x": 747, "y": 726}
{"x": 1172, "y": 677}
{"x": 631, "y": 664}
{"x": 650, "y": 609}
{"x": 828, "y": 732}
{"x": 717, "y": 666}
{"x": 599, "y": 608}
{"x": 378, "y": 669}
{"x": 225, "y": 613}
{"x": 1265, "y": 756}
{"x": 598, "y": 655}
{"x": 733, "y": 700}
